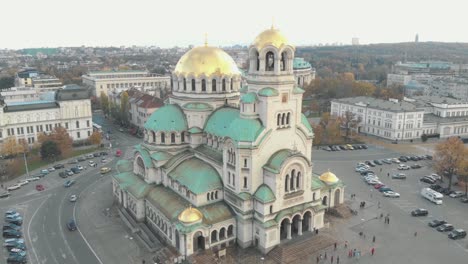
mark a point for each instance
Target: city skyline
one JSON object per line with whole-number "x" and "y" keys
{"x": 180, "y": 23}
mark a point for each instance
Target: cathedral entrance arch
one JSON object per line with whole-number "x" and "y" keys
{"x": 306, "y": 221}
{"x": 324, "y": 201}
{"x": 337, "y": 197}
{"x": 198, "y": 241}
{"x": 296, "y": 221}
{"x": 285, "y": 229}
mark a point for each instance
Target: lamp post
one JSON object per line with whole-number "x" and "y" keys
{"x": 26, "y": 163}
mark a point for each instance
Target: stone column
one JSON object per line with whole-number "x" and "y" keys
{"x": 299, "y": 227}
{"x": 217, "y": 236}
{"x": 288, "y": 229}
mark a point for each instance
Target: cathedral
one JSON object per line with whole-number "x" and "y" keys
{"x": 224, "y": 163}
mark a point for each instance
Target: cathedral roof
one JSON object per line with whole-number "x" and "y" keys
{"x": 190, "y": 215}
{"x": 197, "y": 106}
{"x": 124, "y": 165}
{"x": 226, "y": 122}
{"x": 206, "y": 60}
{"x": 197, "y": 175}
{"x": 144, "y": 155}
{"x": 195, "y": 130}
{"x": 272, "y": 37}
{"x": 167, "y": 118}
{"x": 306, "y": 123}
{"x": 329, "y": 178}
{"x": 298, "y": 90}
{"x": 133, "y": 184}
{"x": 264, "y": 194}
{"x": 161, "y": 155}
{"x": 276, "y": 160}
{"x": 249, "y": 98}
{"x": 268, "y": 91}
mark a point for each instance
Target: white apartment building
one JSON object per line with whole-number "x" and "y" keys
{"x": 107, "y": 81}
{"x": 141, "y": 106}
{"x": 392, "y": 119}
{"x": 19, "y": 94}
{"x": 394, "y": 79}
{"x": 45, "y": 83}
{"x": 71, "y": 109}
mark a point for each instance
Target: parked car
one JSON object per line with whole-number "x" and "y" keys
{"x": 97, "y": 154}
{"x": 387, "y": 161}
{"x": 400, "y": 176}
{"x": 8, "y": 226}
{"x": 343, "y": 147}
{"x": 73, "y": 161}
{"x": 71, "y": 225}
{"x": 90, "y": 156}
{"x": 92, "y": 163}
{"x": 436, "y": 223}
{"x": 420, "y": 212}
{"x": 59, "y": 166}
{"x": 327, "y": 148}
{"x": 73, "y": 198}
{"x": 14, "y": 244}
{"x": 457, "y": 194}
{"x": 68, "y": 183}
{"x": 40, "y": 187}
{"x": 18, "y": 240}
{"x": 403, "y": 159}
{"x": 4, "y": 194}
{"x": 378, "y": 162}
{"x": 33, "y": 179}
{"x": 391, "y": 194}
{"x": 464, "y": 200}
{"x": 427, "y": 180}
{"x": 17, "y": 259}
{"x": 16, "y": 221}
{"x": 104, "y": 160}
{"x": 416, "y": 166}
{"x": 44, "y": 172}
{"x": 51, "y": 169}
{"x": 435, "y": 187}
{"x": 12, "y": 213}
{"x": 364, "y": 146}
{"x": 12, "y": 233}
{"x": 414, "y": 158}
{"x": 103, "y": 153}
{"x": 349, "y": 147}
{"x": 69, "y": 172}
{"x": 80, "y": 167}
{"x": 23, "y": 182}
{"x": 75, "y": 170}
{"x": 457, "y": 234}
{"x": 395, "y": 160}
{"x": 403, "y": 167}
{"x": 445, "y": 228}
{"x": 436, "y": 176}
{"x": 62, "y": 174}
{"x": 80, "y": 159}
{"x": 385, "y": 189}
{"x": 370, "y": 163}
{"x": 17, "y": 252}
{"x": 378, "y": 186}
{"x": 105, "y": 170}
{"x": 13, "y": 187}
{"x": 429, "y": 157}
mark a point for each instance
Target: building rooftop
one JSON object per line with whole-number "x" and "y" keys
{"x": 431, "y": 118}
{"x": 438, "y": 99}
{"x": 29, "y": 106}
{"x": 386, "y": 105}
{"x": 300, "y": 63}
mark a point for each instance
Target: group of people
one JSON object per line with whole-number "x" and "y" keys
{"x": 351, "y": 253}
{"x": 362, "y": 205}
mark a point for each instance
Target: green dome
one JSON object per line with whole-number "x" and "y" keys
{"x": 166, "y": 119}
{"x": 197, "y": 106}
{"x": 268, "y": 91}
{"x": 264, "y": 194}
{"x": 249, "y": 98}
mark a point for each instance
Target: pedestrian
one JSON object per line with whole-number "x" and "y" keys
{"x": 373, "y": 239}
{"x": 354, "y": 252}
{"x": 321, "y": 257}
{"x": 337, "y": 259}
{"x": 372, "y": 251}
{"x": 318, "y": 259}
{"x": 346, "y": 244}
{"x": 350, "y": 253}
{"x": 331, "y": 259}
{"x": 325, "y": 255}
{"x": 415, "y": 234}
{"x": 388, "y": 174}
{"x": 378, "y": 205}
{"x": 335, "y": 245}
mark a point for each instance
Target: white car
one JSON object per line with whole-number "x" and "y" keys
{"x": 24, "y": 182}
{"x": 13, "y": 187}
{"x": 51, "y": 169}
{"x": 33, "y": 179}
{"x": 360, "y": 169}
{"x": 373, "y": 182}
{"x": 103, "y": 160}
{"x": 73, "y": 198}
{"x": 391, "y": 194}
{"x": 395, "y": 160}
{"x": 403, "y": 167}
{"x": 80, "y": 167}
{"x": 92, "y": 163}
{"x": 436, "y": 176}
{"x": 456, "y": 194}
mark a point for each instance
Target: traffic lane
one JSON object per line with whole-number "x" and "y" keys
{"x": 373, "y": 152}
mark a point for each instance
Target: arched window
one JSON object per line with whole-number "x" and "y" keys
{"x": 269, "y": 61}
{"x": 229, "y": 155}
{"x": 154, "y": 136}
{"x": 271, "y": 209}
{"x": 232, "y": 84}
{"x": 216, "y": 195}
{"x": 229, "y": 177}
{"x": 257, "y": 60}
{"x": 182, "y": 137}
{"x": 212, "y": 195}
{"x": 283, "y": 61}
{"x": 278, "y": 122}
{"x": 287, "y": 118}
{"x": 163, "y": 138}
{"x": 208, "y": 196}
{"x": 185, "y": 84}
{"x": 233, "y": 179}
{"x": 293, "y": 175}
{"x": 172, "y": 137}
{"x": 230, "y": 231}
{"x": 245, "y": 182}
{"x": 286, "y": 183}
{"x": 187, "y": 193}
{"x": 203, "y": 85}
{"x": 213, "y": 85}
{"x": 224, "y": 85}
{"x": 193, "y": 85}
{"x": 298, "y": 180}
{"x": 214, "y": 236}
{"x": 282, "y": 118}
{"x": 222, "y": 233}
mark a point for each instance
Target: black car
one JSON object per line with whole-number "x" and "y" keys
{"x": 427, "y": 180}
{"x": 80, "y": 159}
{"x": 364, "y": 146}
{"x": 357, "y": 147}
{"x": 97, "y": 154}
{"x": 436, "y": 223}
{"x": 370, "y": 163}
{"x": 8, "y": 226}
{"x": 12, "y": 233}
{"x": 4, "y": 194}
{"x": 71, "y": 225}
{"x": 403, "y": 159}
{"x": 59, "y": 166}
{"x": 457, "y": 234}
{"x": 429, "y": 157}
{"x": 103, "y": 153}
{"x": 75, "y": 170}
{"x": 435, "y": 187}
{"x": 419, "y": 212}
{"x": 414, "y": 158}
{"x": 415, "y": 166}
{"x": 445, "y": 228}
{"x": 343, "y": 148}
{"x": 62, "y": 174}
{"x": 378, "y": 162}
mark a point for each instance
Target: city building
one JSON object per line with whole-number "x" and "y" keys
{"x": 214, "y": 167}
{"x": 69, "y": 108}
{"x": 141, "y": 106}
{"x": 24, "y": 78}
{"x": 46, "y": 83}
{"x": 107, "y": 81}
{"x": 19, "y": 94}
{"x": 303, "y": 72}
{"x": 394, "y": 79}
{"x": 355, "y": 41}
{"x": 389, "y": 119}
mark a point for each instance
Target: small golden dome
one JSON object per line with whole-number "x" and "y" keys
{"x": 329, "y": 177}
{"x": 270, "y": 36}
{"x": 206, "y": 60}
{"x": 190, "y": 215}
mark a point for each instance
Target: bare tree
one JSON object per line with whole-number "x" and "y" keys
{"x": 349, "y": 121}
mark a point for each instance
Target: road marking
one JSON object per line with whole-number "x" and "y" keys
{"x": 29, "y": 226}
{"x": 61, "y": 228}
{"x": 78, "y": 228}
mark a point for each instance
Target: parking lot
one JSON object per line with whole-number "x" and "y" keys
{"x": 396, "y": 240}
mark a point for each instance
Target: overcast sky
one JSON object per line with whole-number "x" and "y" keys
{"x": 55, "y": 23}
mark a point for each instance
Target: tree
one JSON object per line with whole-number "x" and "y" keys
{"x": 318, "y": 135}
{"x": 448, "y": 156}
{"x": 11, "y": 147}
{"x": 463, "y": 170}
{"x": 423, "y": 137}
{"x": 104, "y": 103}
{"x": 124, "y": 107}
{"x": 61, "y": 137}
{"x": 49, "y": 150}
{"x": 349, "y": 122}
{"x": 95, "y": 138}
{"x": 7, "y": 82}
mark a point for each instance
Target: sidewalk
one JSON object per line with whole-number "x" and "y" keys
{"x": 417, "y": 147}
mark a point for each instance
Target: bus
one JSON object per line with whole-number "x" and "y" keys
{"x": 432, "y": 195}
{"x": 97, "y": 128}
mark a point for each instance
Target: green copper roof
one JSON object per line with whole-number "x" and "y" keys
{"x": 264, "y": 194}
{"x": 124, "y": 165}
{"x": 306, "y": 123}
{"x": 300, "y": 63}
{"x": 245, "y": 196}
{"x": 198, "y": 176}
{"x": 316, "y": 183}
{"x": 167, "y": 118}
{"x": 216, "y": 212}
{"x": 145, "y": 156}
{"x": 197, "y": 106}
{"x": 268, "y": 91}
{"x": 210, "y": 153}
{"x": 249, "y": 98}
{"x": 195, "y": 130}
{"x": 140, "y": 188}
{"x": 125, "y": 179}
{"x": 167, "y": 201}
{"x": 226, "y": 122}
{"x": 161, "y": 155}
{"x": 276, "y": 160}
{"x": 244, "y": 89}
{"x": 268, "y": 224}
{"x": 298, "y": 90}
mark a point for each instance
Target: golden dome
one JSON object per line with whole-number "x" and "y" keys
{"x": 190, "y": 215}
{"x": 270, "y": 36}
{"x": 206, "y": 60}
{"x": 329, "y": 177}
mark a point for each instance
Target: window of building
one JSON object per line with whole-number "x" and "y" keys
{"x": 89, "y": 133}
{"x": 185, "y": 84}
{"x": 193, "y": 85}
{"x": 245, "y": 163}
{"x": 163, "y": 138}
{"x": 77, "y": 124}
{"x": 213, "y": 85}
{"x": 271, "y": 209}
{"x": 284, "y": 98}
{"x": 203, "y": 85}
{"x": 172, "y": 137}
{"x": 245, "y": 182}
{"x": 232, "y": 84}
{"x": 182, "y": 137}
{"x": 87, "y": 123}
{"x": 223, "y": 85}
{"x": 78, "y": 134}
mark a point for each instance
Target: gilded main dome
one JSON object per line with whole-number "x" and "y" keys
{"x": 190, "y": 215}
{"x": 206, "y": 60}
{"x": 270, "y": 36}
{"x": 329, "y": 177}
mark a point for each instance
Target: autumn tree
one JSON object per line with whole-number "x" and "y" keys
{"x": 105, "y": 103}
{"x": 95, "y": 138}
{"x": 124, "y": 107}
{"x": 61, "y": 137}
{"x": 50, "y": 150}
{"x": 349, "y": 122}
{"x": 11, "y": 147}
{"x": 463, "y": 170}
{"x": 318, "y": 134}
{"x": 448, "y": 156}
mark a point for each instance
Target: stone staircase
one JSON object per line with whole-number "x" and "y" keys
{"x": 341, "y": 211}
{"x": 166, "y": 255}
{"x": 300, "y": 251}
